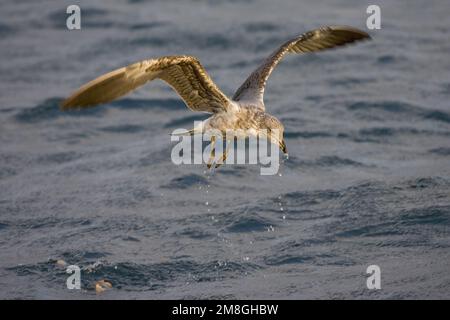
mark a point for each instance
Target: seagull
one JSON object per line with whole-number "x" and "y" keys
{"x": 244, "y": 111}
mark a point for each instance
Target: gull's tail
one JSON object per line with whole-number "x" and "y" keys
{"x": 184, "y": 133}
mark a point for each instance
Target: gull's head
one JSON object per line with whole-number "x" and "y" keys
{"x": 273, "y": 129}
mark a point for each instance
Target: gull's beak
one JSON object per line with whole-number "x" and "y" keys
{"x": 283, "y": 146}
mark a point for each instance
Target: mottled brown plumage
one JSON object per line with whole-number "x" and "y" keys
{"x": 184, "y": 73}
{"x": 189, "y": 79}
{"x": 320, "y": 39}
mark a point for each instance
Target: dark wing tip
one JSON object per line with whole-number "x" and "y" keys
{"x": 82, "y": 98}
{"x": 74, "y": 103}
{"x": 67, "y": 104}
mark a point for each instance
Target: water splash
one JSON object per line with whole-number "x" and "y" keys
{"x": 281, "y": 208}
{"x": 208, "y": 174}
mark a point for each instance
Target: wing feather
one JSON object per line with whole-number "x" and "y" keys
{"x": 184, "y": 73}
{"x": 320, "y": 39}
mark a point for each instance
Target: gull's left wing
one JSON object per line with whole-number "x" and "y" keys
{"x": 320, "y": 39}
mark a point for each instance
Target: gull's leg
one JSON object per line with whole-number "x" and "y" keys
{"x": 212, "y": 155}
{"x": 224, "y": 156}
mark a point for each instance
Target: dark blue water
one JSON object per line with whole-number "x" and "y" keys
{"x": 367, "y": 182}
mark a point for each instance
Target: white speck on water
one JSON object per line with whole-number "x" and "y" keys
{"x": 102, "y": 285}
{"x": 61, "y": 263}
{"x": 221, "y": 263}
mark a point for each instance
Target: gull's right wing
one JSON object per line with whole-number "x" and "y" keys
{"x": 184, "y": 73}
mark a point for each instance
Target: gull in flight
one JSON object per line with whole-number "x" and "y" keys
{"x": 244, "y": 111}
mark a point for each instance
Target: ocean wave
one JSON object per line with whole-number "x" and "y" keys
{"x": 187, "y": 181}
{"x": 131, "y": 276}
{"x": 124, "y": 128}
{"x": 248, "y": 222}
{"x": 437, "y": 115}
{"x": 49, "y": 110}
{"x": 58, "y": 157}
{"x": 323, "y": 161}
{"x": 443, "y": 151}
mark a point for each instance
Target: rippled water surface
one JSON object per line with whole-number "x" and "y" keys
{"x": 367, "y": 181}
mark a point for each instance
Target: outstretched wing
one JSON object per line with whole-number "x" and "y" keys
{"x": 320, "y": 39}
{"x": 184, "y": 73}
